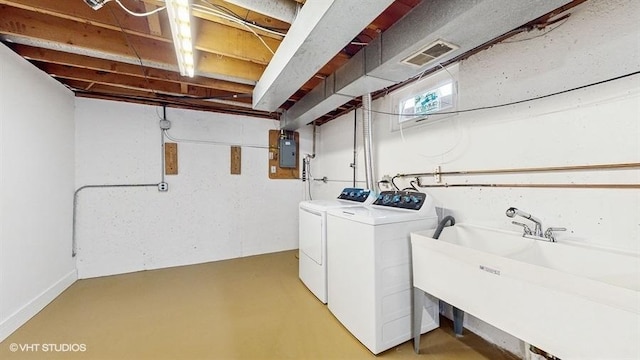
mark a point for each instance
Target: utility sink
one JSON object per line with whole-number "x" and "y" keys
{"x": 570, "y": 300}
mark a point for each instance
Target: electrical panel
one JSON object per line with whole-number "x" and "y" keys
{"x": 285, "y": 144}
{"x": 288, "y": 157}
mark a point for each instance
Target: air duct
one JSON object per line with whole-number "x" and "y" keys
{"x": 443, "y": 29}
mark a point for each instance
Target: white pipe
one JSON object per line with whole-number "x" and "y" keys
{"x": 368, "y": 139}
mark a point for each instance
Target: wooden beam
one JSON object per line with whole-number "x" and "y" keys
{"x": 23, "y": 23}
{"x": 130, "y": 82}
{"x": 238, "y": 44}
{"x": 111, "y": 16}
{"x": 250, "y": 16}
{"x": 133, "y": 96}
{"x": 62, "y": 58}
{"x": 103, "y": 90}
{"x": 217, "y": 64}
{"x": 207, "y": 15}
{"x": 153, "y": 20}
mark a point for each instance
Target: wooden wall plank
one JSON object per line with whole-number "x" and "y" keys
{"x": 236, "y": 160}
{"x": 171, "y": 158}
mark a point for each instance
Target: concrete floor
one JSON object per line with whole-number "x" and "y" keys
{"x": 250, "y": 308}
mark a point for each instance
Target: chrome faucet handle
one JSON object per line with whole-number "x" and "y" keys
{"x": 527, "y": 229}
{"x": 549, "y": 232}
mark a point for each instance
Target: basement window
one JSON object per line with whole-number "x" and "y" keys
{"x": 431, "y": 101}
{"x": 422, "y": 102}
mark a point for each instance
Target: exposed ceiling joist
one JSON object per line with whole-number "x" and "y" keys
{"x": 132, "y": 82}
{"x": 235, "y": 43}
{"x": 284, "y": 10}
{"x": 70, "y": 10}
{"x": 80, "y": 61}
{"x": 109, "y": 53}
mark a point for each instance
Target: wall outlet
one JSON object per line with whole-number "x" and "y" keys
{"x": 163, "y": 187}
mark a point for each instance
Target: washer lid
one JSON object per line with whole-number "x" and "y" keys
{"x": 381, "y": 215}
{"x": 349, "y": 197}
{"x": 324, "y": 205}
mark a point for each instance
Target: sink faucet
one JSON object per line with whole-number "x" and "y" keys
{"x": 537, "y": 231}
{"x": 549, "y": 233}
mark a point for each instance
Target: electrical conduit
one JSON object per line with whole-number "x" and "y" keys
{"x": 368, "y": 139}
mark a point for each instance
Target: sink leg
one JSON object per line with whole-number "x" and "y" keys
{"x": 418, "y": 305}
{"x": 458, "y": 319}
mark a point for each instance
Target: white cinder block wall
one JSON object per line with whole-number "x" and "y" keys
{"x": 207, "y": 214}
{"x": 596, "y": 125}
{"x": 36, "y": 189}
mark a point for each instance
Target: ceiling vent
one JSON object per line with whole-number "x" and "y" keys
{"x": 430, "y": 53}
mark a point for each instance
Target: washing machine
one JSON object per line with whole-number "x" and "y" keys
{"x": 369, "y": 268}
{"x": 312, "y": 268}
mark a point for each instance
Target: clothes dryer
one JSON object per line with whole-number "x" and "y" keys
{"x": 312, "y": 268}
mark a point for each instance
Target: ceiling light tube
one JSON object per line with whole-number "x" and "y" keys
{"x": 179, "y": 19}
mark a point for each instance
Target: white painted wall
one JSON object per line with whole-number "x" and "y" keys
{"x": 596, "y": 125}
{"x": 206, "y": 215}
{"x": 36, "y": 190}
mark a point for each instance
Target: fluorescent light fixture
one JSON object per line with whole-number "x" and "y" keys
{"x": 179, "y": 12}
{"x": 96, "y": 4}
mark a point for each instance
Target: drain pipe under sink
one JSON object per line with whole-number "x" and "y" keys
{"x": 458, "y": 315}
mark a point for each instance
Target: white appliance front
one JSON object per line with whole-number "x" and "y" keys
{"x": 312, "y": 235}
{"x": 369, "y": 273}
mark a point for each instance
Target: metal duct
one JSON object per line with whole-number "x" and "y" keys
{"x": 368, "y": 140}
{"x": 463, "y": 23}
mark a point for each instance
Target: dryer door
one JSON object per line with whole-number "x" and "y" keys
{"x": 311, "y": 234}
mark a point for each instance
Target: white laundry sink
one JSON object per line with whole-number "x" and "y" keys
{"x": 572, "y": 301}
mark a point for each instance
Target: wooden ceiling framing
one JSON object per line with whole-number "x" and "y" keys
{"x": 110, "y": 54}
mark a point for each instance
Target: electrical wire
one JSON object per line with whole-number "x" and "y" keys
{"x": 241, "y": 22}
{"x": 226, "y": 11}
{"x": 510, "y": 103}
{"x": 126, "y": 38}
{"x": 211, "y": 142}
{"x": 541, "y": 27}
{"x": 138, "y": 14}
{"x": 235, "y": 19}
{"x": 393, "y": 182}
